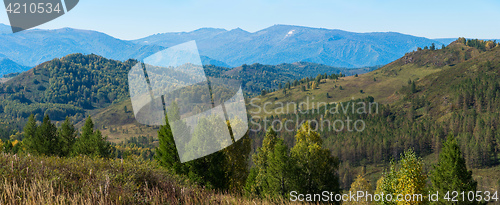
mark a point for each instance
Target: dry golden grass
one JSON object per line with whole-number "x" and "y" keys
{"x": 43, "y": 192}
{"x": 382, "y": 84}
{"x": 123, "y": 123}
{"x": 82, "y": 180}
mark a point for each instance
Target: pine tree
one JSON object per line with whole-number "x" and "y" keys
{"x": 257, "y": 182}
{"x": 279, "y": 170}
{"x": 214, "y": 170}
{"x": 413, "y": 88}
{"x": 67, "y": 137}
{"x": 84, "y": 144}
{"x": 166, "y": 152}
{"x": 450, "y": 173}
{"x": 46, "y": 138}
{"x": 91, "y": 143}
{"x": 251, "y": 185}
{"x": 30, "y": 140}
{"x": 104, "y": 147}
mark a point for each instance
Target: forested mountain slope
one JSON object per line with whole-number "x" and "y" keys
{"x": 77, "y": 85}
{"x": 422, "y": 98}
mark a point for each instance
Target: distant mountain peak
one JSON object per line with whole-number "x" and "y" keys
{"x": 238, "y": 29}
{"x": 208, "y": 29}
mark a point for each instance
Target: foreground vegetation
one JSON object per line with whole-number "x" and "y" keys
{"x": 28, "y": 179}
{"x": 217, "y": 178}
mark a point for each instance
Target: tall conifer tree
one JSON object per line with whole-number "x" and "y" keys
{"x": 450, "y": 173}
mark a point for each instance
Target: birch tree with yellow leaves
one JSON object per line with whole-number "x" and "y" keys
{"x": 361, "y": 185}
{"x": 405, "y": 181}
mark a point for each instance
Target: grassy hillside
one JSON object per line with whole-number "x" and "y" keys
{"x": 119, "y": 125}
{"x": 82, "y": 180}
{"x": 444, "y": 88}
{"x": 256, "y": 77}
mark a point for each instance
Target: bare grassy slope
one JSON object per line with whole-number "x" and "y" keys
{"x": 119, "y": 125}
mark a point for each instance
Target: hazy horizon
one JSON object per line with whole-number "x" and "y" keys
{"x": 189, "y": 31}
{"x": 430, "y": 19}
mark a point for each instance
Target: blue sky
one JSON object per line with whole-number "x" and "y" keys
{"x": 127, "y": 19}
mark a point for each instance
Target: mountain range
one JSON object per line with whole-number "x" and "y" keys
{"x": 228, "y": 48}
{"x": 288, "y": 44}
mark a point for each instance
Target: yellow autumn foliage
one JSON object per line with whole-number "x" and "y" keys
{"x": 360, "y": 184}
{"x": 314, "y": 85}
{"x": 15, "y": 142}
{"x": 490, "y": 45}
{"x": 405, "y": 181}
{"x": 410, "y": 180}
